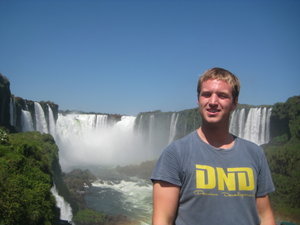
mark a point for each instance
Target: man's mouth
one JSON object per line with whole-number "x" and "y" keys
{"x": 213, "y": 110}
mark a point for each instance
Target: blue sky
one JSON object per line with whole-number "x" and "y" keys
{"x": 131, "y": 56}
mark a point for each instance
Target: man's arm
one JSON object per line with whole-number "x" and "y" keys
{"x": 165, "y": 203}
{"x": 265, "y": 211}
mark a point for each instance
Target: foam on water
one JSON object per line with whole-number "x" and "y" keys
{"x": 133, "y": 196}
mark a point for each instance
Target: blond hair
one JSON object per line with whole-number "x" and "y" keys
{"x": 220, "y": 74}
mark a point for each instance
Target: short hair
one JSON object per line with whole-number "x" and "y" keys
{"x": 217, "y": 73}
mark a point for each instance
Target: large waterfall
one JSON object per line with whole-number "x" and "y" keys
{"x": 27, "y": 124}
{"x": 86, "y": 140}
{"x": 41, "y": 124}
{"x": 90, "y": 139}
{"x": 255, "y": 126}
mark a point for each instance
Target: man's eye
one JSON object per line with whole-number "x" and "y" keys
{"x": 223, "y": 96}
{"x": 205, "y": 94}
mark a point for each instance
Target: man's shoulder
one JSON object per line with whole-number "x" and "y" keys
{"x": 249, "y": 146}
{"x": 185, "y": 143}
{"x": 247, "y": 142}
{"x": 187, "y": 139}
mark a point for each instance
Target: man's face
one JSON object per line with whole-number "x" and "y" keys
{"x": 216, "y": 102}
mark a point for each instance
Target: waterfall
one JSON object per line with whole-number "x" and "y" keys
{"x": 253, "y": 126}
{"x": 267, "y": 136}
{"x": 126, "y": 123}
{"x": 41, "y": 124}
{"x": 51, "y": 121}
{"x": 65, "y": 208}
{"x": 90, "y": 139}
{"x": 241, "y": 119}
{"x": 101, "y": 121}
{"x": 151, "y": 128}
{"x": 87, "y": 139}
{"x": 140, "y": 127}
{"x": 26, "y": 121}
{"x": 173, "y": 123}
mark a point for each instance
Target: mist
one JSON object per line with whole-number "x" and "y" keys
{"x": 86, "y": 140}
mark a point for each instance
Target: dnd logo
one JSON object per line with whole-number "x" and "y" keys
{"x": 224, "y": 179}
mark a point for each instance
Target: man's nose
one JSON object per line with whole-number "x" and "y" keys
{"x": 213, "y": 100}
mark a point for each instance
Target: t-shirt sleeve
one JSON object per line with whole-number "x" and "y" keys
{"x": 167, "y": 167}
{"x": 264, "y": 181}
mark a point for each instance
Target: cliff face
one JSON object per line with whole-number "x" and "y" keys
{"x": 11, "y": 112}
{"x": 20, "y": 104}
{"x": 4, "y": 101}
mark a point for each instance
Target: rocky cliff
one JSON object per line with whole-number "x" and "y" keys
{"x": 4, "y": 101}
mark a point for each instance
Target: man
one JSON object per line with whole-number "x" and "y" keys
{"x": 210, "y": 176}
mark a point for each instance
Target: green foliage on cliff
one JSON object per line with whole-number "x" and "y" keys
{"x": 285, "y": 119}
{"x": 284, "y": 162}
{"x": 25, "y": 174}
{"x": 283, "y": 154}
{"x": 3, "y": 137}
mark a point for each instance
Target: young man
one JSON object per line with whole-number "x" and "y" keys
{"x": 210, "y": 176}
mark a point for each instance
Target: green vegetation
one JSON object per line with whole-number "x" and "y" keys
{"x": 91, "y": 217}
{"x": 283, "y": 154}
{"x": 25, "y": 174}
{"x": 3, "y": 137}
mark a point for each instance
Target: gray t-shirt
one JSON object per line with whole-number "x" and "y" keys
{"x": 218, "y": 186}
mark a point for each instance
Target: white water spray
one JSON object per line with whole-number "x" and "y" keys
{"x": 83, "y": 142}
{"x": 51, "y": 121}
{"x": 65, "y": 208}
{"x": 173, "y": 123}
{"x": 26, "y": 121}
{"x": 41, "y": 124}
{"x": 255, "y": 126}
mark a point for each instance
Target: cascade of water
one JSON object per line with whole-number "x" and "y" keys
{"x": 140, "y": 126}
{"x": 41, "y": 124}
{"x": 89, "y": 121}
{"x": 233, "y": 122}
{"x": 173, "y": 123}
{"x": 237, "y": 122}
{"x": 151, "y": 128}
{"x": 26, "y": 121}
{"x": 101, "y": 121}
{"x": 241, "y": 122}
{"x": 126, "y": 123}
{"x": 81, "y": 143}
{"x": 269, "y": 112}
{"x": 51, "y": 121}
{"x": 253, "y": 126}
{"x": 262, "y": 131}
{"x": 65, "y": 208}
{"x": 256, "y": 125}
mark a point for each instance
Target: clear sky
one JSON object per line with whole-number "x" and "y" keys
{"x": 131, "y": 56}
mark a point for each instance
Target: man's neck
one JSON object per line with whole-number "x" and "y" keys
{"x": 216, "y": 137}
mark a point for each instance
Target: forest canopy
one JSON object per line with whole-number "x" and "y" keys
{"x": 25, "y": 174}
